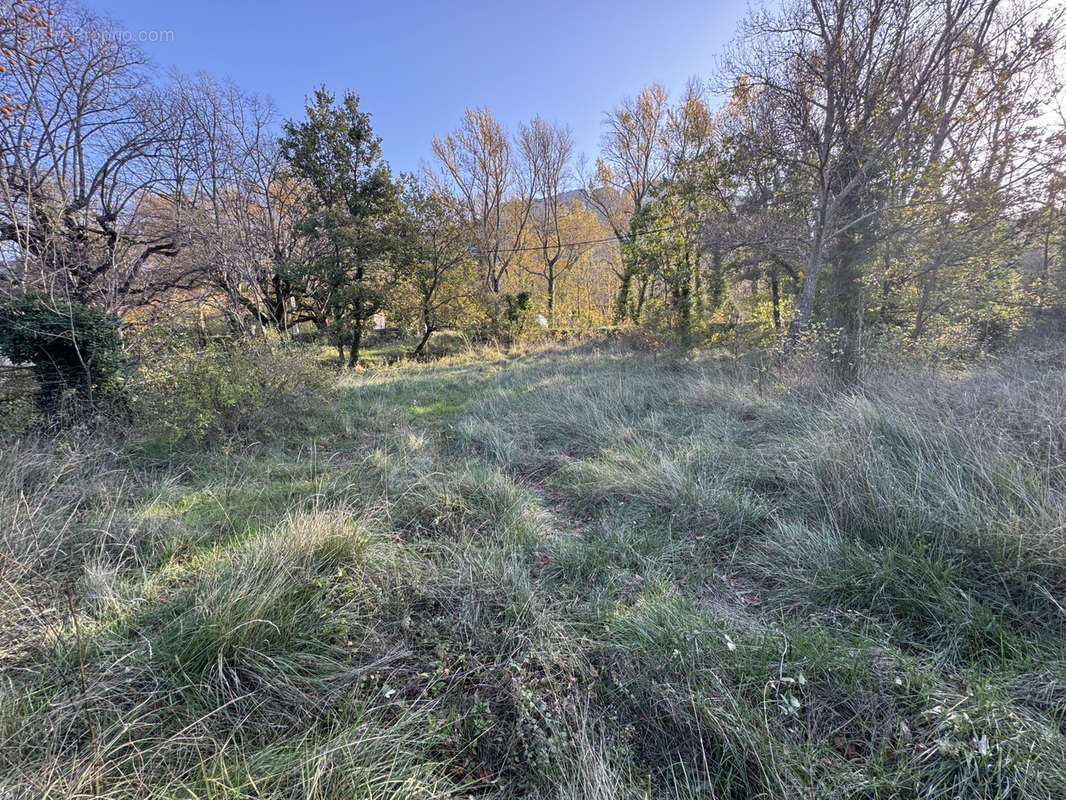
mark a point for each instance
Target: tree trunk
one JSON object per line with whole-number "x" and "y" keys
{"x": 716, "y": 281}
{"x": 622, "y": 300}
{"x": 805, "y": 302}
{"x": 425, "y": 338}
{"x": 847, "y": 306}
{"x": 551, "y": 295}
{"x": 202, "y": 329}
{"x": 642, "y": 295}
{"x": 775, "y": 297}
{"x": 920, "y": 318}
{"x": 356, "y": 343}
{"x": 683, "y": 303}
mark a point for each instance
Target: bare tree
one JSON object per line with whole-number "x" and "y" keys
{"x": 549, "y": 148}
{"x": 238, "y": 207}
{"x": 850, "y": 80}
{"x": 634, "y": 158}
{"x": 84, "y": 163}
{"x": 496, "y": 188}
{"x": 994, "y": 161}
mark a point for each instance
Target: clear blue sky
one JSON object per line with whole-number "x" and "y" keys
{"x": 417, "y": 65}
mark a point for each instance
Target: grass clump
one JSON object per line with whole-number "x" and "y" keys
{"x": 258, "y": 616}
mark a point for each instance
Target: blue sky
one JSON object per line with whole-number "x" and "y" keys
{"x": 417, "y": 65}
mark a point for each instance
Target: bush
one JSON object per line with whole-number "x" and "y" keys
{"x": 75, "y": 351}
{"x": 226, "y": 392}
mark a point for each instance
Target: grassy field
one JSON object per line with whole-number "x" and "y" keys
{"x": 566, "y": 573}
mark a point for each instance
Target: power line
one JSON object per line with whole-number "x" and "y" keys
{"x": 590, "y": 241}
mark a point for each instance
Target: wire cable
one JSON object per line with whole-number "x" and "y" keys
{"x": 588, "y": 242}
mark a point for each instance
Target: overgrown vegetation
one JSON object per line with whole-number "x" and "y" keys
{"x": 558, "y": 573}
{"x": 228, "y": 390}
{"x": 738, "y": 473}
{"x": 73, "y": 350}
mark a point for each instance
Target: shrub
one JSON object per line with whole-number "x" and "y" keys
{"x": 231, "y": 392}
{"x": 75, "y": 350}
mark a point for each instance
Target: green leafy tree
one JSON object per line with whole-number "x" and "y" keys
{"x": 352, "y": 213}
{"x": 439, "y": 261}
{"x": 667, "y": 243}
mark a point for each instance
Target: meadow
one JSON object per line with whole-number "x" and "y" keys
{"x": 585, "y": 571}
